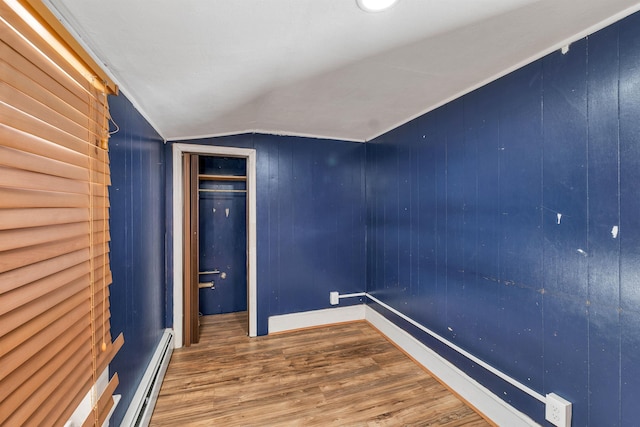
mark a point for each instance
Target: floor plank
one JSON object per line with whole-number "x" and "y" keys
{"x": 340, "y": 375}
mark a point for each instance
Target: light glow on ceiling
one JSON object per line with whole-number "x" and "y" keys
{"x": 375, "y": 5}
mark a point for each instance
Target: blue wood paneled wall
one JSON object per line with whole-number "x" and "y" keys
{"x": 508, "y": 221}
{"x": 310, "y": 221}
{"x": 137, "y": 197}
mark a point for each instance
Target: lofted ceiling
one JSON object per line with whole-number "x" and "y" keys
{"x": 321, "y": 68}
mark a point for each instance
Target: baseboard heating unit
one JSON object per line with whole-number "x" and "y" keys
{"x": 143, "y": 402}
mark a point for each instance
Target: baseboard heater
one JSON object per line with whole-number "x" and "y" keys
{"x": 143, "y": 402}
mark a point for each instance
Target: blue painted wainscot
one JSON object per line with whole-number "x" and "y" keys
{"x": 508, "y": 222}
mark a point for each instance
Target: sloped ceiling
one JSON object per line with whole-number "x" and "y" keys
{"x": 321, "y": 68}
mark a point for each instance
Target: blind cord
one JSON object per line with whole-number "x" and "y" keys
{"x": 105, "y": 195}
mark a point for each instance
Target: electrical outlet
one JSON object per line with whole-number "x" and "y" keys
{"x": 334, "y": 298}
{"x": 558, "y": 410}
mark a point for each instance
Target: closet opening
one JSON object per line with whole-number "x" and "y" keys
{"x": 222, "y": 236}
{"x": 215, "y": 257}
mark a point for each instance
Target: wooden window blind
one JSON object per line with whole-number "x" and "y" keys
{"x": 55, "y": 338}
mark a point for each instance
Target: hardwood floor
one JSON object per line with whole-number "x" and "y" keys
{"x": 341, "y": 375}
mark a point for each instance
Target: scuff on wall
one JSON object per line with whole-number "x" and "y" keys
{"x": 614, "y": 232}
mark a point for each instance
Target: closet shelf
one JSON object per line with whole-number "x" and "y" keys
{"x": 207, "y": 177}
{"x": 213, "y": 190}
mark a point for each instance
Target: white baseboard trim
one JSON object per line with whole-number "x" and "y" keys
{"x": 473, "y": 392}
{"x": 470, "y": 390}
{"x": 307, "y": 319}
{"x": 143, "y": 402}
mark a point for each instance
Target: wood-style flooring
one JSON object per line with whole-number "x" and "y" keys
{"x": 340, "y": 375}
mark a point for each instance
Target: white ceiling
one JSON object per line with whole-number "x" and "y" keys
{"x": 320, "y": 68}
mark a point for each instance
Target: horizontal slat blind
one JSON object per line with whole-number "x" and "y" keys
{"x": 55, "y": 336}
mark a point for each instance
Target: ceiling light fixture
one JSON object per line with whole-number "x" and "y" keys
{"x": 375, "y": 5}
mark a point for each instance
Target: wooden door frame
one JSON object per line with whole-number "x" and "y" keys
{"x": 178, "y": 223}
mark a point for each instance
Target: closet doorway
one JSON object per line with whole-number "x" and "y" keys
{"x": 214, "y": 262}
{"x": 222, "y": 235}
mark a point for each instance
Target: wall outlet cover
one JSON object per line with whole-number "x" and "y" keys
{"x": 558, "y": 410}
{"x": 334, "y": 298}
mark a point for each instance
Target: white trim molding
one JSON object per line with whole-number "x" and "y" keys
{"x": 469, "y": 389}
{"x": 307, "y": 319}
{"x": 481, "y": 398}
{"x": 250, "y": 155}
{"x": 462, "y": 351}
